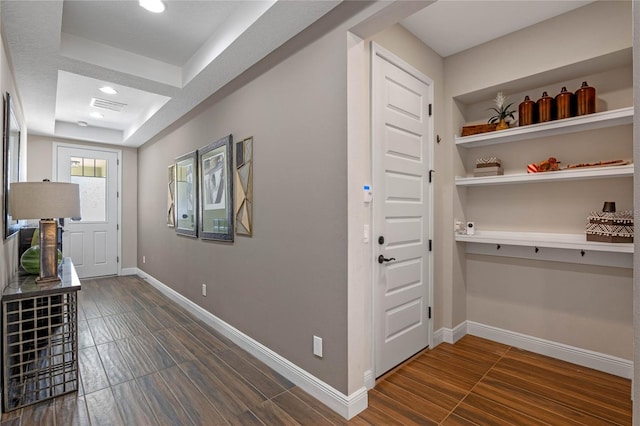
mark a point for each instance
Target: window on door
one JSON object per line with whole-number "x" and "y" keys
{"x": 91, "y": 175}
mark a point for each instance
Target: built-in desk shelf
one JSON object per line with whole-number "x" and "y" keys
{"x": 571, "y": 248}
{"x": 594, "y": 121}
{"x": 566, "y": 175}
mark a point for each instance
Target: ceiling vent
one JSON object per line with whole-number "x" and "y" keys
{"x": 107, "y": 104}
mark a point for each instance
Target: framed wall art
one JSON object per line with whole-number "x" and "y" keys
{"x": 216, "y": 190}
{"x": 244, "y": 187}
{"x": 171, "y": 196}
{"x": 186, "y": 195}
{"x": 11, "y": 163}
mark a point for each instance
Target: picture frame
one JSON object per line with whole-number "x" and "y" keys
{"x": 11, "y": 163}
{"x": 186, "y": 195}
{"x": 171, "y": 196}
{"x": 244, "y": 187}
{"x": 215, "y": 165}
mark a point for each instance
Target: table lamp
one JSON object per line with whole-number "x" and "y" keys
{"x": 46, "y": 201}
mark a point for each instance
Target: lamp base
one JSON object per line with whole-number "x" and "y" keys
{"x": 48, "y": 252}
{"x": 48, "y": 280}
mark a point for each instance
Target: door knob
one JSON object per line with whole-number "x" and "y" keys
{"x": 382, "y": 259}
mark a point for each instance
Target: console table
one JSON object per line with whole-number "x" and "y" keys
{"x": 40, "y": 338}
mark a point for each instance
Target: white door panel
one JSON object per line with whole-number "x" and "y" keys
{"x": 91, "y": 240}
{"x": 402, "y": 146}
{"x": 404, "y": 274}
{"x": 402, "y": 187}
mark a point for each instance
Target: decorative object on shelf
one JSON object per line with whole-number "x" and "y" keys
{"x": 527, "y": 112}
{"x": 546, "y": 108}
{"x": 475, "y": 129}
{"x": 216, "y": 190}
{"x": 564, "y": 104}
{"x": 30, "y": 259}
{"x": 551, "y": 164}
{"x": 488, "y": 162}
{"x": 244, "y": 187}
{"x": 609, "y": 207}
{"x": 609, "y": 226}
{"x": 585, "y": 99}
{"x": 502, "y": 112}
{"x": 488, "y": 171}
{"x": 600, "y": 164}
{"x": 46, "y": 200}
{"x": 489, "y": 166}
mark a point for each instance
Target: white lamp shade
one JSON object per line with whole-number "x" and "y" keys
{"x": 44, "y": 200}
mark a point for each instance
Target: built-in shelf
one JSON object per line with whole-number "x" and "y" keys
{"x": 544, "y": 240}
{"x": 569, "y": 248}
{"x": 598, "y": 120}
{"x": 570, "y": 174}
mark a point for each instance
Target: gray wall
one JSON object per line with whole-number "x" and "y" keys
{"x": 289, "y": 281}
{"x": 9, "y": 248}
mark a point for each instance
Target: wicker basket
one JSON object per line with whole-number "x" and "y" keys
{"x": 478, "y": 128}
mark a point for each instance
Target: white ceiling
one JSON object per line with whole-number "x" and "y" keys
{"x": 452, "y": 26}
{"x": 163, "y": 65}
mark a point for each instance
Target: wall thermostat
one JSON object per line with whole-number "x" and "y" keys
{"x": 471, "y": 228}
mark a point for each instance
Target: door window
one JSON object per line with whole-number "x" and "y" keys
{"x": 91, "y": 175}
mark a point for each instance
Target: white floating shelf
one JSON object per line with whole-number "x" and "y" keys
{"x": 568, "y": 248}
{"x": 598, "y": 120}
{"x": 571, "y": 174}
{"x": 548, "y": 240}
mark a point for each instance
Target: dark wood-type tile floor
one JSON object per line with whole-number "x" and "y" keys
{"x": 144, "y": 360}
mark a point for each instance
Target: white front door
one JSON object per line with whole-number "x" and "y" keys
{"x": 402, "y": 145}
{"x": 91, "y": 240}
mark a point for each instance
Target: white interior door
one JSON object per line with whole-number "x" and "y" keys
{"x": 402, "y": 216}
{"x": 91, "y": 240}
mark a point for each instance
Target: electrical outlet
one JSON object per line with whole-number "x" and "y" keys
{"x": 204, "y": 289}
{"x": 144, "y": 259}
{"x": 317, "y": 346}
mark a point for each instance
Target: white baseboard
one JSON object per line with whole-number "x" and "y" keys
{"x": 129, "y": 271}
{"x": 346, "y": 405}
{"x": 584, "y": 357}
{"x": 369, "y": 379}
{"x": 449, "y": 335}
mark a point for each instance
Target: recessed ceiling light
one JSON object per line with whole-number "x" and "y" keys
{"x": 96, "y": 115}
{"x": 155, "y": 6}
{"x": 108, "y": 90}
{"x": 83, "y": 123}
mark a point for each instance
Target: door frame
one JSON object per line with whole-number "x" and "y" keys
{"x": 377, "y": 50}
{"x": 118, "y": 152}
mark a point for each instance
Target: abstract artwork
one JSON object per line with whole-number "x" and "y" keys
{"x": 171, "y": 193}
{"x": 186, "y": 199}
{"x": 244, "y": 187}
{"x": 216, "y": 190}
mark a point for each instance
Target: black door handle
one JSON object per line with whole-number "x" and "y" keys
{"x": 382, "y": 259}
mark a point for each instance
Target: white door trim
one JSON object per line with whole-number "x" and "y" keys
{"x": 377, "y": 50}
{"x": 118, "y": 152}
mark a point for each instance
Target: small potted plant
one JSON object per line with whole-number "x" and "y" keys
{"x": 502, "y": 112}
